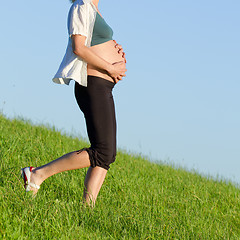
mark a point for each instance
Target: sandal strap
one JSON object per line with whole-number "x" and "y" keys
{"x": 34, "y": 185}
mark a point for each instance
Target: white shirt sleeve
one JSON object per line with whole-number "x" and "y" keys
{"x": 77, "y": 20}
{"x": 81, "y": 19}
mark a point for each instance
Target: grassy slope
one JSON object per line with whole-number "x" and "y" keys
{"x": 139, "y": 199}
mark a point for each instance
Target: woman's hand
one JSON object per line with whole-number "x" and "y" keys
{"x": 117, "y": 71}
{"x": 120, "y": 50}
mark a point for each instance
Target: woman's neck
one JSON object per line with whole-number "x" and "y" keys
{"x": 95, "y": 2}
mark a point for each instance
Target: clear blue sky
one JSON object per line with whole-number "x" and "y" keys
{"x": 180, "y": 99}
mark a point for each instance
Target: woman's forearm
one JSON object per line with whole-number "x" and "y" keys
{"x": 91, "y": 58}
{"x": 115, "y": 71}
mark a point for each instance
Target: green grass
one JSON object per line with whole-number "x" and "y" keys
{"x": 138, "y": 200}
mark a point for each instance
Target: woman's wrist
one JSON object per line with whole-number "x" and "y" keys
{"x": 109, "y": 68}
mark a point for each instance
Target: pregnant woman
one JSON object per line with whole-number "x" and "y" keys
{"x": 96, "y": 63}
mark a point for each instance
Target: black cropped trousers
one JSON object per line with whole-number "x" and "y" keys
{"x": 97, "y": 104}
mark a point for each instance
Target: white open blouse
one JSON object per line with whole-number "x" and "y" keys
{"x": 81, "y": 19}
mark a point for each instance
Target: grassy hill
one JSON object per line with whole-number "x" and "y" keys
{"x": 139, "y": 199}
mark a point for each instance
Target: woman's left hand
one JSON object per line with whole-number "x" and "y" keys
{"x": 120, "y": 50}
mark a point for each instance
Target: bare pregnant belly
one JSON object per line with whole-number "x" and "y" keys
{"x": 108, "y": 52}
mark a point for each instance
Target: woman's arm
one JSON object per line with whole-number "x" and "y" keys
{"x": 116, "y": 70}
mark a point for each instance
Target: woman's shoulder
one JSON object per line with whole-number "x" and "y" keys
{"x": 78, "y": 6}
{"x": 81, "y": 2}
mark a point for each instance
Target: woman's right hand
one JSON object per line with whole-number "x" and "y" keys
{"x": 117, "y": 71}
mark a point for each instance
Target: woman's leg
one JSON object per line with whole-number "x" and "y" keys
{"x": 96, "y": 102}
{"x": 69, "y": 161}
{"x": 93, "y": 183}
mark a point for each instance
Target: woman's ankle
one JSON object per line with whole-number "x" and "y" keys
{"x": 36, "y": 176}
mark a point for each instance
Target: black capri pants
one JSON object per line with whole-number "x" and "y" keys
{"x": 97, "y": 104}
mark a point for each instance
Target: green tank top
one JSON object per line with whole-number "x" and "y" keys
{"x": 102, "y": 32}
